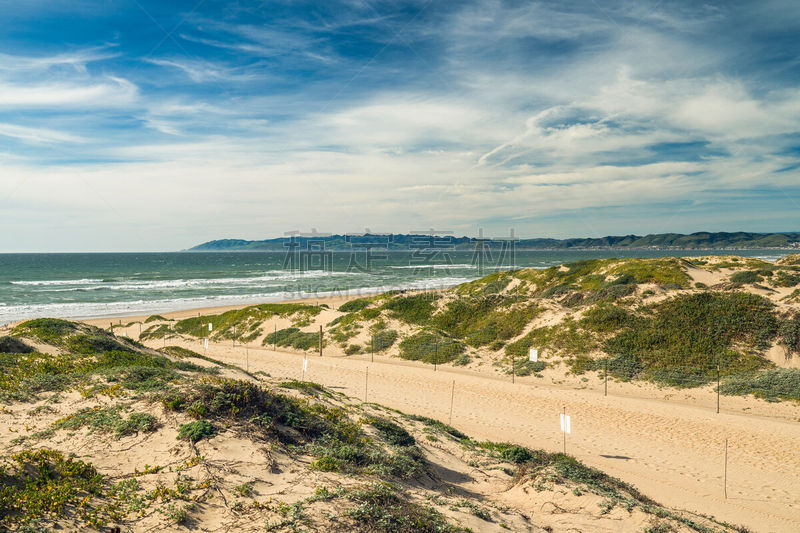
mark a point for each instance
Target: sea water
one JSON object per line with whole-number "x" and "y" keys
{"x": 118, "y": 284}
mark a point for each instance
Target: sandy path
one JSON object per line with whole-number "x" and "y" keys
{"x": 672, "y": 452}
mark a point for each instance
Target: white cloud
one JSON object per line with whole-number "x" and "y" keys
{"x": 116, "y": 92}
{"x": 38, "y": 135}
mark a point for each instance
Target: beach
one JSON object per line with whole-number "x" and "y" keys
{"x": 670, "y": 444}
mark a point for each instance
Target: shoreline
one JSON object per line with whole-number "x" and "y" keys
{"x": 332, "y": 301}
{"x": 163, "y": 308}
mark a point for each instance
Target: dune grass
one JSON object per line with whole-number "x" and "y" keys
{"x": 771, "y": 385}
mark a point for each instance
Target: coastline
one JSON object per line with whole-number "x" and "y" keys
{"x": 332, "y": 301}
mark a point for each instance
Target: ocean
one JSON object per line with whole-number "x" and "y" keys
{"x": 120, "y": 284}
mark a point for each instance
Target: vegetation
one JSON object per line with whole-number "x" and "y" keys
{"x": 306, "y": 387}
{"x": 608, "y": 278}
{"x": 605, "y": 318}
{"x": 325, "y": 432}
{"x": 746, "y": 276}
{"x": 382, "y": 507}
{"x": 47, "y": 330}
{"x": 416, "y": 309}
{"x": 196, "y": 431}
{"x": 108, "y": 420}
{"x": 785, "y": 279}
{"x": 682, "y": 341}
{"x": 565, "y": 337}
{"x": 355, "y": 305}
{"x": 43, "y": 484}
{"x": 394, "y": 434}
{"x": 384, "y": 339}
{"x": 244, "y": 324}
{"x": 294, "y": 338}
{"x": 438, "y": 426}
{"x": 430, "y": 347}
{"x": 770, "y": 385}
{"x": 484, "y": 320}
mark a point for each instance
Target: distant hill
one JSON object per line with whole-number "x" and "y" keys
{"x": 700, "y": 240}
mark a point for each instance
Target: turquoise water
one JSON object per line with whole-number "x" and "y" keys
{"x": 96, "y": 285}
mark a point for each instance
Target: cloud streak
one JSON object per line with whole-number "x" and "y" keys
{"x": 553, "y": 118}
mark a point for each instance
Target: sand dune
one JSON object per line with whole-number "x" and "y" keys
{"x": 671, "y": 451}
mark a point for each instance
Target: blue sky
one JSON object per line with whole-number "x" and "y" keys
{"x": 141, "y": 125}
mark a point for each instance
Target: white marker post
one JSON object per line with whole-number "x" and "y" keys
{"x": 305, "y": 367}
{"x": 210, "y": 327}
{"x": 565, "y": 427}
{"x": 205, "y": 345}
{"x": 533, "y": 355}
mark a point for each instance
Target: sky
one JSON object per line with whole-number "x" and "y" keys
{"x": 136, "y": 125}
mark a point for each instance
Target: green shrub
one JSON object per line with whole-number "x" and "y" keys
{"x": 244, "y": 324}
{"x": 483, "y": 320}
{"x": 462, "y": 360}
{"x": 108, "y": 420}
{"x": 90, "y": 344}
{"x": 785, "y": 279}
{"x": 195, "y": 431}
{"x": 778, "y": 383}
{"x": 22, "y": 376}
{"x": 508, "y": 452}
{"x": 430, "y": 347}
{"x": 526, "y": 367}
{"x": 294, "y": 338}
{"x": 384, "y": 339}
{"x": 382, "y": 508}
{"x": 393, "y": 433}
{"x": 439, "y": 426}
{"x": 48, "y": 330}
{"x": 352, "y": 349}
{"x": 354, "y": 306}
{"x": 45, "y": 485}
{"x": 681, "y": 341}
{"x": 370, "y": 313}
{"x": 136, "y": 423}
{"x": 746, "y": 276}
{"x": 415, "y": 309}
{"x": 157, "y": 331}
{"x": 604, "y": 318}
{"x": 565, "y": 338}
{"x": 307, "y": 387}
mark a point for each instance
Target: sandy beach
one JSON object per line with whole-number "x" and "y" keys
{"x": 670, "y": 444}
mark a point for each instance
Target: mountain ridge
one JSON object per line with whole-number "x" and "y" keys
{"x": 405, "y": 241}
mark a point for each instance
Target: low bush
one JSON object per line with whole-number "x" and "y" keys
{"x": 393, "y": 433}
{"x": 430, "y": 347}
{"x": 22, "y": 376}
{"x": 605, "y": 318}
{"x": 108, "y": 420}
{"x": 438, "y": 426}
{"x": 354, "y": 306}
{"x": 384, "y": 339}
{"x": 45, "y": 485}
{"x": 415, "y": 309}
{"x": 382, "y": 508}
{"x": 90, "y": 344}
{"x": 682, "y": 341}
{"x": 746, "y": 276}
{"x": 774, "y": 384}
{"x": 48, "y": 330}
{"x": 293, "y": 338}
{"x": 196, "y": 431}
